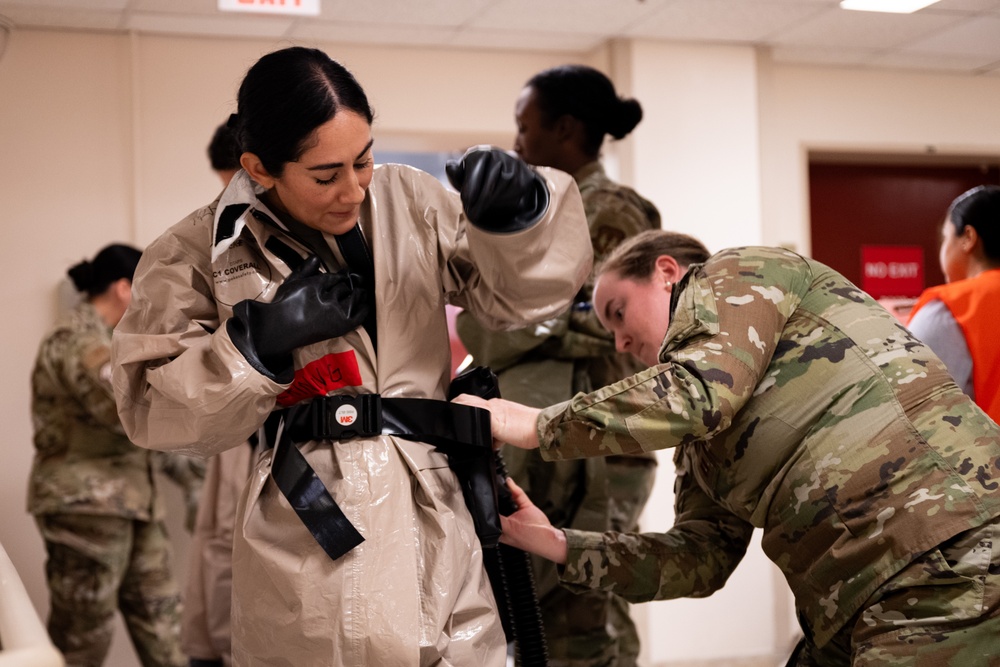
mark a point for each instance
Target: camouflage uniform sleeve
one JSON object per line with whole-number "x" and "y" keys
{"x": 188, "y": 473}
{"x": 585, "y": 337}
{"x": 502, "y": 349}
{"x": 612, "y": 217}
{"x": 726, "y": 326}
{"x": 82, "y": 361}
{"x": 692, "y": 559}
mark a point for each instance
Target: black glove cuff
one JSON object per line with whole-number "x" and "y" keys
{"x": 531, "y": 208}
{"x": 280, "y": 368}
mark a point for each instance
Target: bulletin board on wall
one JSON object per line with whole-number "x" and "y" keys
{"x": 897, "y": 203}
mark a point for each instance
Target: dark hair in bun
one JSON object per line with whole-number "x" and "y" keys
{"x": 114, "y": 262}
{"x": 589, "y": 96}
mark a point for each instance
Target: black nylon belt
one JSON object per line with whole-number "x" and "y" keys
{"x": 461, "y": 432}
{"x": 311, "y": 501}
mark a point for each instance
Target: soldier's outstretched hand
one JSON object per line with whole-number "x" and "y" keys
{"x": 511, "y": 423}
{"x": 530, "y": 530}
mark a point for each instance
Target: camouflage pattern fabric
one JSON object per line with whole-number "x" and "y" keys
{"x": 97, "y": 564}
{"x": 942, "y": 609}
{"x": 547, "y": 364}
{"x": 88, "y": 477}
{"x": 188, "y": 473}
{"x": 799, "y": 406}
{"x": 83, "y": 461}
{"x": 614, "y": 213}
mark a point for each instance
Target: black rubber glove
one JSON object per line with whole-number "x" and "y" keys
{"x": 500, "y": 192}
{"x": 309, "y": 307}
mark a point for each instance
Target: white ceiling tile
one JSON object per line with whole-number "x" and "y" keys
{"x": 840, "y": 28}
{"x": 952, "y": 35}
{"x": 972, "y": 37}
{"x": 251, "y": 25}
{"x": 924, "y": 61}
{"x": 723, "y": 20}
{"x": 400, "y": 12}
{"x": 365, "y": 33}
{"x": 599, "y": 17}
{"x": 197, "y": 7}
{"x": 85, "y": 5}
{"x": 820, "y": 56}
{"x": 965, "y": 5}
{"x": 524, "y": 40}
{"x": 48, "y": 17}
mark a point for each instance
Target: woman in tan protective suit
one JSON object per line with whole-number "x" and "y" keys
{"x": 307, "y": 302}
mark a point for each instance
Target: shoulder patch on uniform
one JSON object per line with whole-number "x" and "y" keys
{"x": 96, "y": 356}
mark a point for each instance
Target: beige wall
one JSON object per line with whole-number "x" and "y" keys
{"x": 102, "y": 138}
{"x": 905, "y": 113}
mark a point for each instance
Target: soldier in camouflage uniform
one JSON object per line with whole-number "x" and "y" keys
{"x": 797, "y": 405}
{"x": 562, "y": 117}
{"x": 93, "y": 492}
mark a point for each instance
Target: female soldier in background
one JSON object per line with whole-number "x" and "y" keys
{"x": 318, "y": 284}
{"x": 563, "y": 115}
{"x": 93, "y": 492}
{"x": 797, "y": 405}
{"x": 958, "y": 320}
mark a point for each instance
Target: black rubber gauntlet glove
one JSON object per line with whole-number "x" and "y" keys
{"x": 500, "y": 193}
{"x": 309, "y": 307}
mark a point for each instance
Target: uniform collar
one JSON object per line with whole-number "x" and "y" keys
{"x": 236, "y": 204}
{"x": 89, "y": 314}
{"x": 589, "y": 170}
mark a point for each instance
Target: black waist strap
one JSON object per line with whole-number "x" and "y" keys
{"x": 460, "y": 431}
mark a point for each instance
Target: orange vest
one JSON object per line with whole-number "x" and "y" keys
{"x": 975, "y": 305}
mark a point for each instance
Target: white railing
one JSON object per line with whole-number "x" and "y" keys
{"x": 23, "y": 640}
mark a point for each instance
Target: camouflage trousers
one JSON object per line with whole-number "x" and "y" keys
{"x": 942, "y": 610}
{"x": 591, "y": 629}
{"x": 99, "y": 564}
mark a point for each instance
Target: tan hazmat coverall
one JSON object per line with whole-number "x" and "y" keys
{"x": 205, "y": 622}
{"x": 414, "y": 592}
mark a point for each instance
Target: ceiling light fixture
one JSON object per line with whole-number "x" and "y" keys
{"x": 891, "y": 6}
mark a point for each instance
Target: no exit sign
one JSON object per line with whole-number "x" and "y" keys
{"x": 297, "y": 7}
{"x": 890, "y": 270}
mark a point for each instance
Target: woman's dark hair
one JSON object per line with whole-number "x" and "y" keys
{"x": 589, "y": 96}
{"x": 979, "y": 208}
{"x": 114, "y": 262}
{"x": 285, "y": 96}
{"x": 223, "y": 151}
{"x": 636, "y": 257}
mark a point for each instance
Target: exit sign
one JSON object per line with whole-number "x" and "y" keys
{"x": 297, "y": 7}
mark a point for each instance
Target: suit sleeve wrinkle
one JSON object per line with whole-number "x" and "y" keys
{"x": 510, "y": 280}
{"x": 175, "y": 369}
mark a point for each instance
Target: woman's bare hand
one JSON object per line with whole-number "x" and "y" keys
{"x": 530, "y": 530}
{"x": 512, "y": 423}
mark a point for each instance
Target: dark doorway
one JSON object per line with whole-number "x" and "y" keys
{"x": 865, "y": 203}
